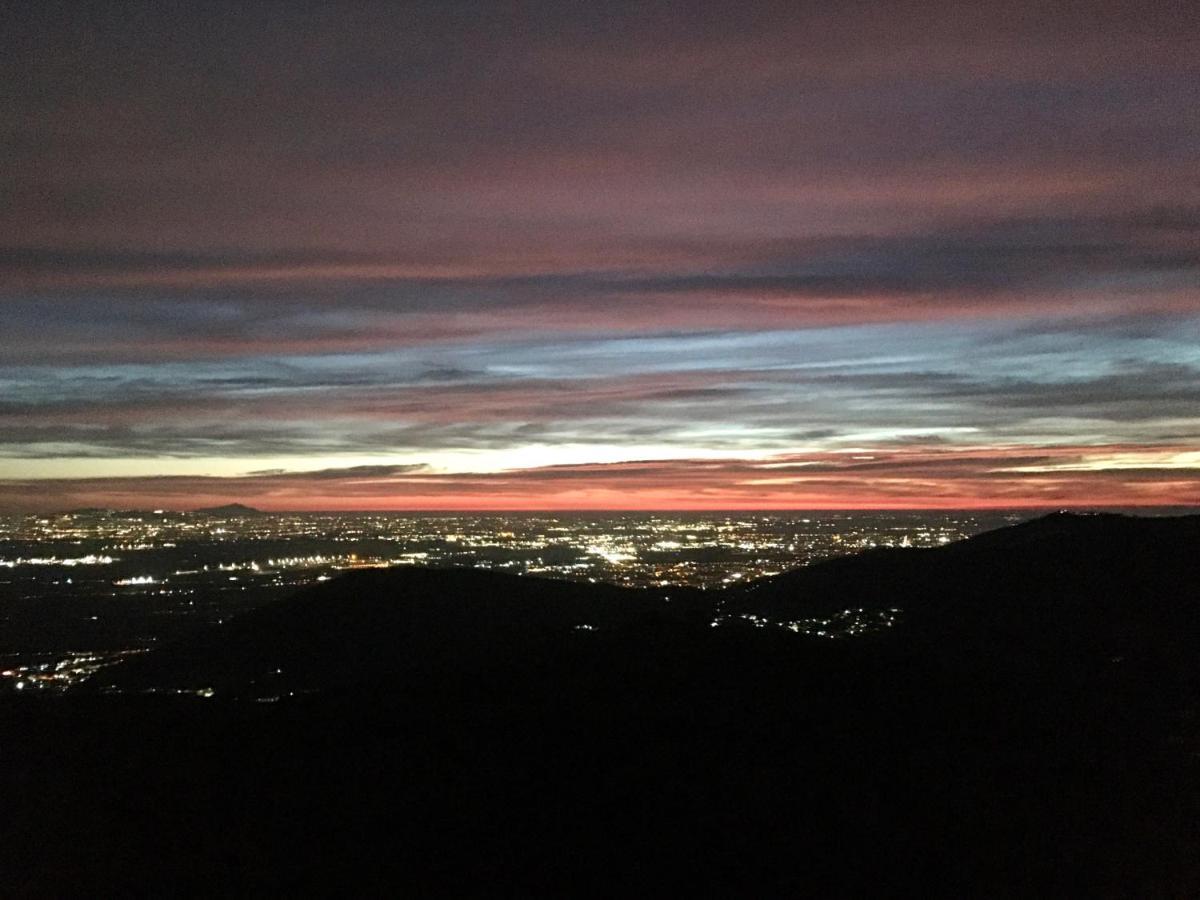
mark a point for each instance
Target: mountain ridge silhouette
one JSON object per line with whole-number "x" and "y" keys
{"x": 458, "y": 732}
{"x": 1007, "y": 589}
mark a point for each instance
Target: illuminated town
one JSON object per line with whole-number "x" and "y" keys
{"x": 82, "y": 590}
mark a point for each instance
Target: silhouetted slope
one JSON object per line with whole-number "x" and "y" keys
{"x": 1061, "y": 549}
{"x": 464, "y": 737}
{"x": 1062, "y": 587}
{"x": 1097, "y": 586}
{"x": 404, "y": 622}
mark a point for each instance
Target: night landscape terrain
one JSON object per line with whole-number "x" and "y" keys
{"x": 658, "y": 448}
{"x": 1028, "y": 725}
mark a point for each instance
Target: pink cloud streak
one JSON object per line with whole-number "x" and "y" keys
{"x": 911, "y": 478}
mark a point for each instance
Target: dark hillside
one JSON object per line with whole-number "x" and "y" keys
{"x": 379, "y": 624}
{"x": 1085, "y": 588}
{"x": 1029, "y": 726}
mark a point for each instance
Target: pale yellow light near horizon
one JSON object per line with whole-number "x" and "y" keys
{"x": 1131, "y": 459}
{"x": 532, "y": 456}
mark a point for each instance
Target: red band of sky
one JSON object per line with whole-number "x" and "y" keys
{"x": 749, "y": 244}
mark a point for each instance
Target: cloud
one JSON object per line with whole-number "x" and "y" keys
{"x": 434, "y": 231}
{"x": 933, "y": 476}
{"x": 770, "y": 391}
{"x": 1144, "y": 262}
{"x": 348, "y": 473}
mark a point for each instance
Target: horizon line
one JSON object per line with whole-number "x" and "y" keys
{"x": 1059, "y": 507}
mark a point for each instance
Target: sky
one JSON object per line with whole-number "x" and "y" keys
{"x": 599, "y": 255}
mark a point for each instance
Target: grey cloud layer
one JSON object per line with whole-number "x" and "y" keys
{"x": 1028, "y": 265}
{"x": 249, "y": 230}
{"x": 812, "y": 387}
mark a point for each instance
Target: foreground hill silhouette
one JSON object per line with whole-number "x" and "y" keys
{"x": 1089, "y": 587}
{"x": 1028, "y": 725}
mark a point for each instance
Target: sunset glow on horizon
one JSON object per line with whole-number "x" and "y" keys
{"x": 451, "y": 257}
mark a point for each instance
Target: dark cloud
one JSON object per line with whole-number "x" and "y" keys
{"x": 1143, "y": 263}
{"x": 1134, "y": 392}
{"x": 349, "y": 473}
{"x": 98, "y": 260}
{"x": 247, "y": 231}
{"x": 446, "y": 131}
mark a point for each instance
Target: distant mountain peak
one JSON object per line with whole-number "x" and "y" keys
{"x": 230, "y": 509}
